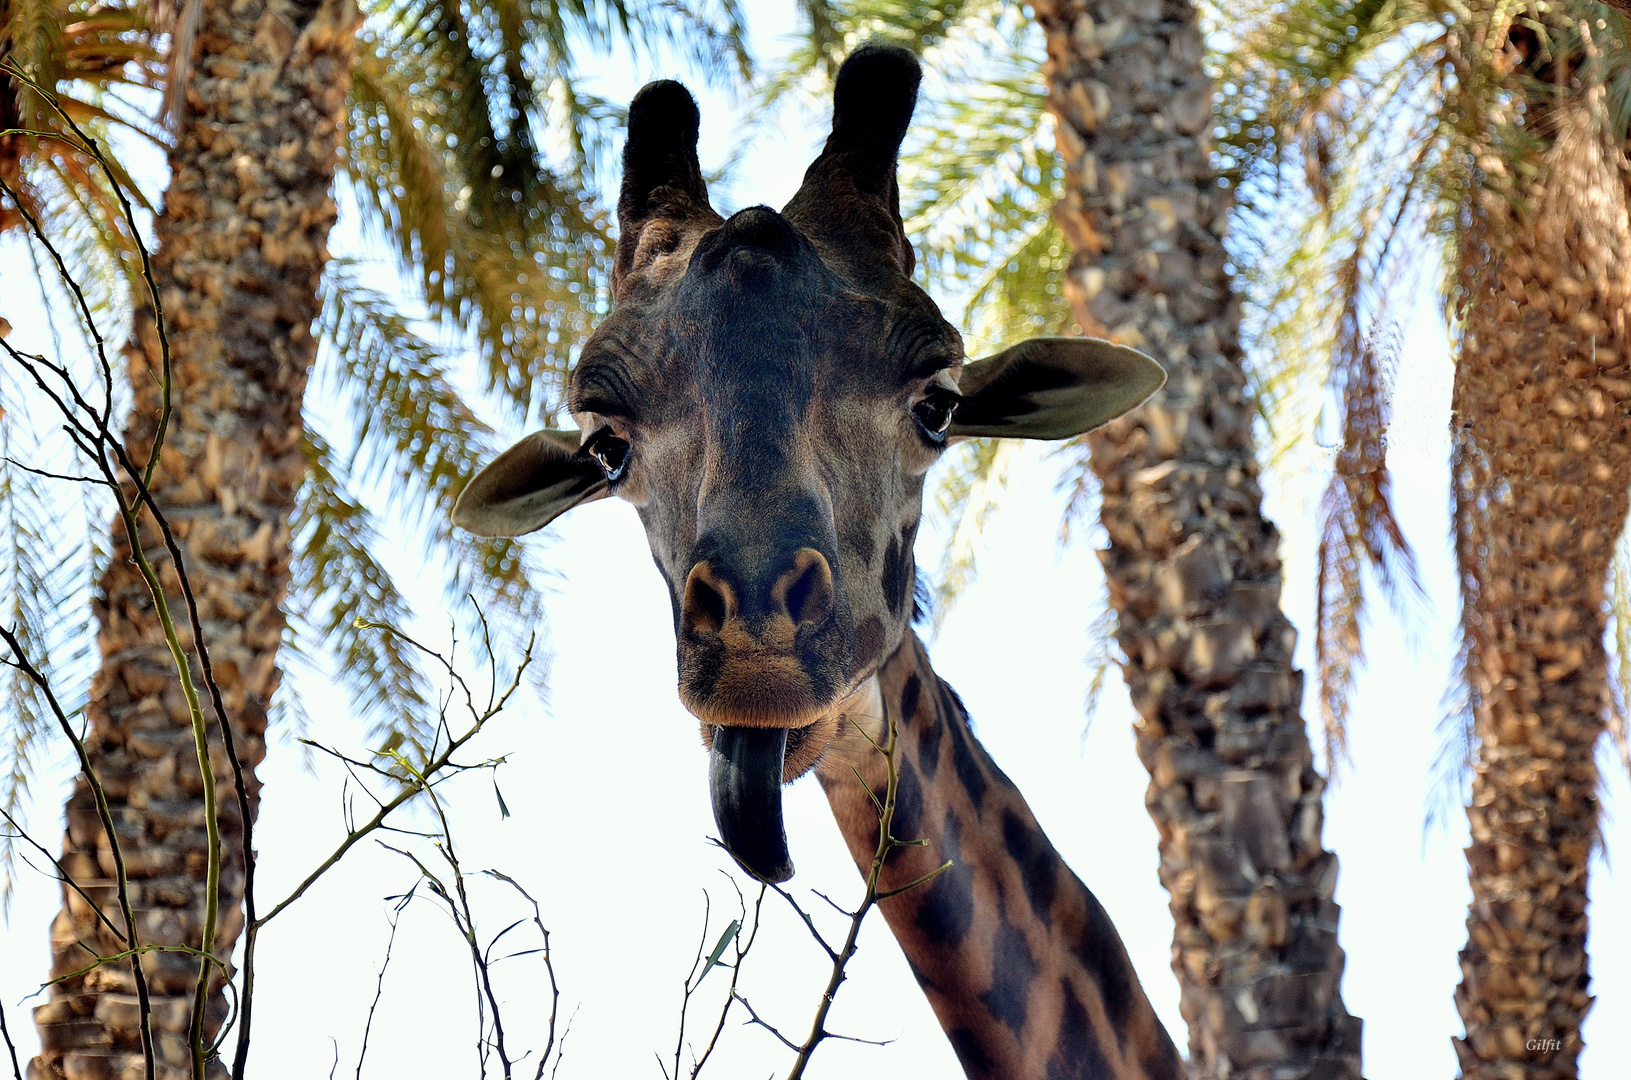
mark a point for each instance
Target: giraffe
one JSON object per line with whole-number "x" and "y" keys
{"x": 769, "y": 392}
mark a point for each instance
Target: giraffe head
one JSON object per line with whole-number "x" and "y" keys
{"x": 769, "y": 392}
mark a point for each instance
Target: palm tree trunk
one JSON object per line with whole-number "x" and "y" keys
{"x": 1542, "y": 467}
{"x": 1193, "y": 566}
{"x": 241, "y": 247}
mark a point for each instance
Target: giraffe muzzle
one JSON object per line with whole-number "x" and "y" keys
{"x": 761, "y": 649}
{"x": 745, "y": 784}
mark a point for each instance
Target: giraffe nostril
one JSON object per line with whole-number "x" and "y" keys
{"x": 806, "y": 590}
{"x": 709, "y": 601}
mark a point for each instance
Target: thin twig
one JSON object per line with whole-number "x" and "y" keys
{"x": 848, "y": 914}
{"x": 478, "y": 958}
{"x": 60, "y": 875}
{"x": 685, "y": 1000}
{"x": 105, "y": 440}
{"x": 457, "y": 898}
{"x": 549, "y": 967}
{"x": 560, "y": 1051}
{"x": 379, "y": 986}
{"x": 49, "y": 475}
{"x": 137, "y": 951}
{"x": 435, "y": 766}
{"x": 736, "y": 973}
{"x": 458, "y": 902}
{"x": 887, "y": 843}
{"x": 351, "y": 761}
{"x": 809, "y": 923}
{"x": 467, "y": 932}
{"x": 11, "y": 1048}
{"x": 22, "y": 663}
{"x": 768, "y": 1026}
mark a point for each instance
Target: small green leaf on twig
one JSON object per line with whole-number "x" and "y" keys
{"x": 719, "y": 948}
{"x": 503, "y": 810}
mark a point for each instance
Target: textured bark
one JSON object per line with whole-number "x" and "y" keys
{"x": 1193, "y": 566}
{"x": 1542, "y": 467}
{"x": 241, "y": 247}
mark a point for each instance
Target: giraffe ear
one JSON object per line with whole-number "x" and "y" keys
{"x": 1052, "y": 388}
{"x": 529, "y": 485}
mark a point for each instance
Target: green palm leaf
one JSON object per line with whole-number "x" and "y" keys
{"x": 47, "y": 562}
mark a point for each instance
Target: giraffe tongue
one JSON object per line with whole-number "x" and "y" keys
{"x": 745, "y": 782}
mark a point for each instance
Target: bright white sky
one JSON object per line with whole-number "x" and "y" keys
{"x": 609, "y": 811}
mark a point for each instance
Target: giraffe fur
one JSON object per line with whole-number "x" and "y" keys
{"x": 1018, "y": 959}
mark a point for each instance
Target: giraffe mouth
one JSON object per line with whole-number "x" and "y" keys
{"x": 745, "y": 784}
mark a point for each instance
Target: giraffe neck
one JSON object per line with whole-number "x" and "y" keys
{"x": 1018, "y": 959}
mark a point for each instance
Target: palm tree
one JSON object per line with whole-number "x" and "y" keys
{"x": 92, "y": 51}
{"x": 1193, "y": 570}
{"x": 240, "y": 252}
{"x": 1193, "y": 565}
{"x": 1501, "y": 133}
{"x": 439, "y": 130}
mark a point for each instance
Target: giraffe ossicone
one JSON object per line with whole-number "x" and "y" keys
{"x": 769, "y": 391}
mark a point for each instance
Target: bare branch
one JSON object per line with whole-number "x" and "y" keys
{"x": 741, "y": 950}
{"x": 105, "y": 442}
{"x": 431, "y": 769}
{"x": 840, "y": 962}
{"x": 762, "y": 1022}
{"x": 59, "y": 875}
{"x": 832, "y": 953}
{"x": 144, "y": 1002}
{"x": 549, "y": 967}
{"x": 379, "y": 986}
{"x": 11, "y": 1048}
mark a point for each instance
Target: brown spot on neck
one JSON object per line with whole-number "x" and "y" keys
{"x": 1018, "y": 959}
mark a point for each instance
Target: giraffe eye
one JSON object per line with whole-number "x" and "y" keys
{"x": 934, "y": 414}
{"x": 611, "y": 452}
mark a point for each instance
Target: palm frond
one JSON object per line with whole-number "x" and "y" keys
{"x": 472, "y": 152}
{"x": 519, "y": 264}
{"x": 411, "y": 428}
{"x": 46, "y": 567}
{"x": 970, "y": 488}
{"x": 1358, "y": 528}
{"x": 1343, "y": 155}
{"x": 832, "y": 30}
{"x": 79, "y": 52}
{"x": 31, "y": 37}
{"x": 1101, "y": 654}
{"x": 984, "y": 176}
{"x": 338, "y": 585}
{"x": 1083, "y": 503}
{"x": 80, "y": 211}
{"x": 1449, "y": 776}
{"x": 413, "y": 435}
{"x": 708, "y": 35}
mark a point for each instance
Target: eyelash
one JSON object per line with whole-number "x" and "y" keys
{"x": 941, "y": 406}
{"x": 610, "y": 452}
